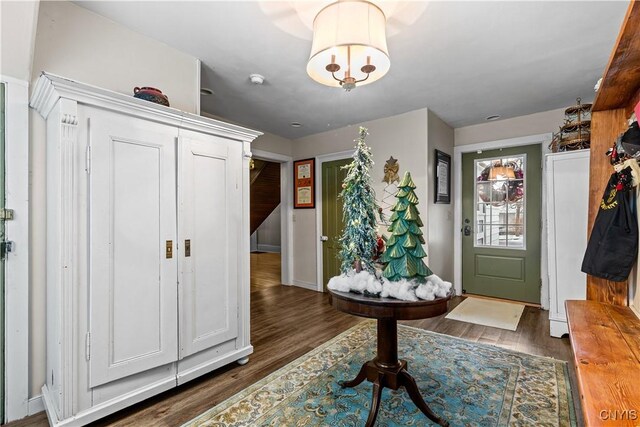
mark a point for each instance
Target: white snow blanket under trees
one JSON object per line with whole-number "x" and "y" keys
{"x": 407, "y": 290}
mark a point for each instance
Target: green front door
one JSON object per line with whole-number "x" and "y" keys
{"x": 501, "y": 230}
{"x": 332, "y": 177}
{"x": 2, "y": 239}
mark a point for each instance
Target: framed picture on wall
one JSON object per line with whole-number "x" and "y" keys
{"x": 304, "y": 186}
{"x": 442, "y": 178}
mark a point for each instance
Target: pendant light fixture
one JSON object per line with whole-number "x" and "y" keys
{"x": 349, "y": 45}
{"x": 499, "y": 172}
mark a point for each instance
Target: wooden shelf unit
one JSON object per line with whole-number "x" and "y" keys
{"x": 619, "y": 93}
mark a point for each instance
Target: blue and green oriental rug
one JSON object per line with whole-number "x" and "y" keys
{"x": 466, "y": 383}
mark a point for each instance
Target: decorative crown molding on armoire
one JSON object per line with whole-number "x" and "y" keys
{"x": 147, "y": 248}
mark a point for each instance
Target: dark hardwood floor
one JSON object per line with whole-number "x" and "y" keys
{"x": 287, "y": 322}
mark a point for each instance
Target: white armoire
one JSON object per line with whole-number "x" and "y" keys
{"x": 567, "y": 176}
{"x": 147, "y": 248}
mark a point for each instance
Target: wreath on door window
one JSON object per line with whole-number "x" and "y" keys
{"x": 499, "y": 191}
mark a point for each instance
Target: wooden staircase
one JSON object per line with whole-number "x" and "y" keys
{"x": 265, "y": 191}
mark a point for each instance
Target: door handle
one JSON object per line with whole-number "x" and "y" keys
{"x": 466, "y": 228}
{"x": 324, "y": 238}
{"x": 187, "y": 247}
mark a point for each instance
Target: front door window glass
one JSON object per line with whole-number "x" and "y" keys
{"x": 500, "y": 202}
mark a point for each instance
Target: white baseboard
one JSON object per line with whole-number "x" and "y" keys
{"x": 36, "y": 405}
{"x": 268, "y": 248}
{"x": 306, "y": 285}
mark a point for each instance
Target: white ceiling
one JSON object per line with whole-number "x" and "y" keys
{"x": 463, "y": 60}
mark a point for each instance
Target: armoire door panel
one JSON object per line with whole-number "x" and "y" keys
{"x": 210, "y": 215}
{"x": 136, "y": 286}
{"x": 209, "y": 254}
{"x": 133, "y": 283}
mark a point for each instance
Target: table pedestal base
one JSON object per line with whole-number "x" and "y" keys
{"x": 386, "y": 370}
{"x": 392, "y": 377}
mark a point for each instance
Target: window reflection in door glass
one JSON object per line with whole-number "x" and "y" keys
{"x": 500, "y": 202}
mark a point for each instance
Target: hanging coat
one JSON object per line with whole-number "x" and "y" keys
{"x": 613, "y": 245}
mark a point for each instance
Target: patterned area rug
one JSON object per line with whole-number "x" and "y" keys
{"x": 463, "y": 382}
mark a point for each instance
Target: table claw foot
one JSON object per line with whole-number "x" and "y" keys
{"x": 375, "y": 401}
{"x": 362, "y": 375}
{"x": 414, "y": 393}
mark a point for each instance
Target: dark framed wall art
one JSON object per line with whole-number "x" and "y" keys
{"x": 304, "y": 186}
{"x": 442, "y": 178}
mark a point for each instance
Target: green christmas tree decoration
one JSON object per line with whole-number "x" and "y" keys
{"x": 404, "y": 251}
{"x": 359, "y": 236}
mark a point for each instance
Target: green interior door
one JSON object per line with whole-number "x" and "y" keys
{"x": 2, "y": 239}
{"x": 501, "y": 214}
{"x": 332, "y": 177}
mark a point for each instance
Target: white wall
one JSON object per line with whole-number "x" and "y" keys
{"x": 18, "y": 21}
{"x": 439, "y": 221}
{"x": 532, "y": 124}
{"x": 81, "y": 45}
{"x": 404, "y": 137}
{"x": 268, "y": 234}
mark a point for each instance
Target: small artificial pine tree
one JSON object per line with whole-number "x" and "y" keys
{"x": 359, "y": 236}
{"x": 404, "y": 251}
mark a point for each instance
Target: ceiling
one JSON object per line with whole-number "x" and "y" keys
{"x": 463, "y": 60}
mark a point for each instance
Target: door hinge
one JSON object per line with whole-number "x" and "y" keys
{"x": 5, "y": 248}
{"x": 87, "y": 167}
{"x": 87, "y": 348}
{"x": 6, "y": 214}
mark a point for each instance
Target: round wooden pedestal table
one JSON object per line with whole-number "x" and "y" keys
{"x": 385, "y": 370}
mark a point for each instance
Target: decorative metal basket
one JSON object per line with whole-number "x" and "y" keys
{"x": 575, "y": 133}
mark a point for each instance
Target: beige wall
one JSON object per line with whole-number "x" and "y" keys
{"x": 411, "y": 138}
{"x": 81, "y": 45}
{"x": 439, "y": 221}
{"x": 18, "y": 21}
{"x": 532, "y": 124}
{"x": 273, "y": 144}
{"x": 73, "y": 42}
{"x": 37, "y": 243}
{"x": 266, "y": 142}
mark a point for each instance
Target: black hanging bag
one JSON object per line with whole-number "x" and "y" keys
{"x": 613, "y": 246}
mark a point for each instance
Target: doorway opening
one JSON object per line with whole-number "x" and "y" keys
{"x": 333, "y": 174}
{"x": 265, "y": 215}
{"x": 329, "y": 177}
{"x": 271, "y": 219}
